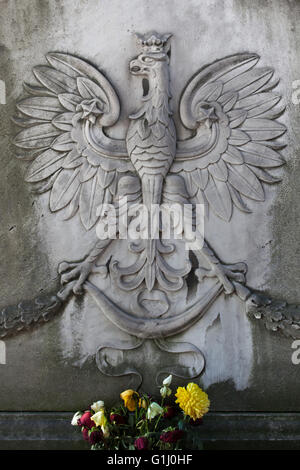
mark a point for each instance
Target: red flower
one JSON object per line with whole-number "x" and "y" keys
{"x": 197, "y": 422}
{"x": 141, "y": 443}
{"x": 172, "y": 436}
{"x": 85, "y": 434}
{"x": 118, "y": 419}
{"x": 170, "y": 412}
{"x": 96, "y": 436}
{"x": 86, "y": 421}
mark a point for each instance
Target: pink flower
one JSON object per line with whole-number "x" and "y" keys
{"x": 95, "y": 437}
{"x": 116, "y": 418}
{"x": 86, "y": 421}
{"x": 172, "y": 436}
{"x": 170, "y": 412}
{"x": 141, "y": 443}
{"x": 85, "y": 434}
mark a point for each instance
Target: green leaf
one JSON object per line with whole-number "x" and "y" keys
{"x": 131, "y": 419}
{"x": 181, "y": 424}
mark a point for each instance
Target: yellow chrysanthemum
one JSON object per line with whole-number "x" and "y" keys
{"x": 192, "y": 400}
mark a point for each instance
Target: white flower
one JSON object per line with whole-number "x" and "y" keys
{"x": 76, "y": 417}
{"x": 99, "y": 418}
{"x": 165, "y": 391}
{"x": 168, "y": 380}
{"x": 105, "y": 431}
{"x": 153, "y": 410}
{"x": 97, "y": 406}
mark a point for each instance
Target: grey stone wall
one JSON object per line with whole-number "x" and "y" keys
{"x": 52, "y": 368}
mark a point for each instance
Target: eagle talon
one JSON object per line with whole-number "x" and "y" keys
{"x": 75, "y": 271}
{"x": 225, "y": 273}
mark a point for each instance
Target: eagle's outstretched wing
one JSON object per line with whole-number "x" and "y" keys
{"x": 64, "y": 120}
{"x": 227, "y": 159}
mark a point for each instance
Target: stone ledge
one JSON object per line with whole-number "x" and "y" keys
{"x": 52, "y": 430}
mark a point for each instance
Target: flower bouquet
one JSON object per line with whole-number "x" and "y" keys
{"x": 140, "y": 423}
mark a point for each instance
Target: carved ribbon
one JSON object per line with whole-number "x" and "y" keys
{"x": 116, "y": 360}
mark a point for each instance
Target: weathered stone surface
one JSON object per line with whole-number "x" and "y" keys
{"x": 52, "y": 368}
{"x": 247, "y": 431}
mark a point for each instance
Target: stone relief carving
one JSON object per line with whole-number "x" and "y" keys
{"x": 142, "y": 285}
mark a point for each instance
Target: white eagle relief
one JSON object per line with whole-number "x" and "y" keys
{"x": 231, "y": 110}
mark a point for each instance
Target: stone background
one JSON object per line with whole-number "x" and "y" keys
{"x": 52, "y": 368}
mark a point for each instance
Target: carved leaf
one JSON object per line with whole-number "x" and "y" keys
{"x": 69, "y": 101}
{"x": 229, "y": 68}
{"x": 238, "y": 137}
{"x": 200, "y": 177}
{"x": 89, "y": 89}
{"x": 63, "y": 121}
{"x": 236, "y": 117}
{"x": 37, "y": 90}
{"x": 233, "y": 155}
{"x": 272, "y": 144}
{"x": 71, "y": 209}
{"x": 28, "y": 155}
{"x": 219, "y": 170}
{"x": 62, "y": 63}
{"x": 273, "y": 113}
{"x": 55, "y": 81}
{"x": 228, "y": 100}
{"x": 269, "y": 85}
{"x": 263, "y": 129}
{"x": 105, "y": 178}
{"x": 245, "y": 181}
{"x": 238, "y": 200}
{"x": 41, "y": 107}
{"x": 75, "y": 67}
{"x": 73, "y": 159}
{"x": 44, "y": 185}
{"x": 63, "y": 142}
{"x": 26, "y": 121}
{"x": 64, "y": 189}
{"x": 249, "y": 82}
{"x": 259, "y": 103}
{"x": 260, "y": 155}
{"x": 44, "y": 166}
{"x": 191, "y": 187}
{"x": 218, "y": 196}
{"x": 87, "y": 172}
{"x": 209, "y": 92}
{"x": 91, "y": 196}
{"x": 36, "y": 137}
{"x": 264, "y": 176}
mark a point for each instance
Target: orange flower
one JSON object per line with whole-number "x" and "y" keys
{"x": 130, "y": 398}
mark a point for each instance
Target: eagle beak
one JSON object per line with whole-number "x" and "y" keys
{"x": 134, "y": 67}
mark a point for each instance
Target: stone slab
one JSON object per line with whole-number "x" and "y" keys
{"x": 255, "y": 431}
{"x": 53, "y": 368}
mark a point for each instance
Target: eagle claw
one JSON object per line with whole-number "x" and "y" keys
{"x": 225, "y": 273}
{"x": 71, "y": 271}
